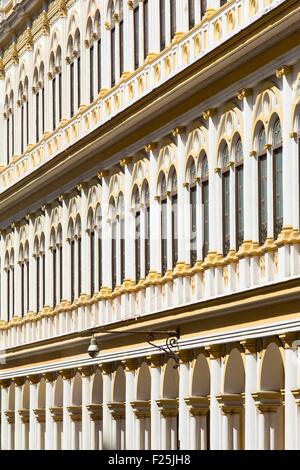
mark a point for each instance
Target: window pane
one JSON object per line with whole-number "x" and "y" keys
{"x": 162, "y": 24}
{"x": 91, "y": 74}
{"x": 191, "y": 13}
{"x": 164, "y": 255}
{"x": 113, "y": 56}
{"x": 262, "y": 188}
{"x": 205, "y": 203}
{"x": 136, "y": 37}
{"x": 147, "y": 241}
{"x": 174, "y": 231}
{"x": 193, "y": 207}
{"x": 226, "y": 212}
{"x": 146, "y": 28}
{"x": 121, "y": 38}
{"x": 278, "y": 192}
{"x": 173, "y": 18}
{"x": 137, "y": 246}
{"x": 239, "y": 206}
{"x": 122, "y": 225}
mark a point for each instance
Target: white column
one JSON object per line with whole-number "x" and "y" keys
{"x": 290, "y": 407}
{"x": 215, "y": 388}
{"x": 107, "y": 393}
{"x": 287, "y": 167}
{"x": 33, "y": 400}
{"x": 250, "y": 387}
{"x": 48, "y": 273}
{"x": 130, "y": 396}
{"x": 106, "y": 238}
{"x": 19, "y": 382}
{"x": 184, "y": 382}
{"x": 86, "y": 374}
{"x": 67, "y": 376}
{"x": 66, "y": 288}
{"x": 155, "y": 362}
{"x": 49, "y": 423}
{"x": 5, "y": 384}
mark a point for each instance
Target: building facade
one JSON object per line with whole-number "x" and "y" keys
{"x": 149, "y": 180}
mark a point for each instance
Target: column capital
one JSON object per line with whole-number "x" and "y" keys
{"x": 185, "y": 356}
{"x": 50, "y": 376}
{"x": 129, "y": 364}
{"x": 249, "y": 345}
{"x": 214, "y": 351}
{"x": 283, "y": 70}
{"x": 19, "y": 381}
{"x": 288, "y": 340}
{"x": 67, "y": 374}
{"x": 209, "y": 113}
{"x": 244, "y": 93}
{"x": 5, "y": 383}
{"x": 178, "y": 130}
{"x": 106, "y": 368}
{"x": 34, "y": 379}
{"x": 155, "y": 360}
{"x": 150, "y": 147}
{"x": 125, "y": 162}
{"x": 86, "y": 371}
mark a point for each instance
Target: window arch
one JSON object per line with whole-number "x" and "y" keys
{"x": 117, "y": 241}
{"x": 24, "y": 268}
{"x": 174, "y": 207}
{"x": 39, "y": 92}
{"x": 10, "y": 123}
{"x": 10, "y": 282}
{"x": 115, "y": 14}
{"x": 204, "y": 181}
{"x": 239, "y": 192}
{"x": 262, "y": 186}
{"x": 277, "y": 179}
{"x": 192, "y": 180}
{"x": 23, "y": 112}
{"x": 40, "y": 271}
{"x": 225, "y": 172}
{"x": 168, "y": 13}
{"x": 55, "y": 74}
{"x": 74, "y": 61}
{"x": 92, "y": 234}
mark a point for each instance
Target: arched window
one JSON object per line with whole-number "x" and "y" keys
{"x": 91, "y": 228}
{"x": 137, "y": 242}
{"x": 205, "y": 206}
{"x": 117, "y": 40}
{"x": 146, "y": 196}
{"x": 164, "y": 231}
{"x": 99, "y": 231}
{"x": 262, "y": 187}
{"x": 99, "y": 56}
{"x": 39, "y": 90}
{"x": 10, "y": 126}
{"x": 192, "y": 18}
{"x": 24, "y": 117}
{"x": 239, "y": 193}
{"x": 24, "y": 268}
{"x": 40, "y": 272}
{"x": 162, "y": 16}
{"x": 113, "y": 246}
{"x": 174, "y": 207}
{"x": 122, "y": 237}
{"x": 277, "y": 179}
{"x": 79, "y": 257}
{"x": 10, "y": 282}
{"x": 225, "y": 198}
{"x": 56, "y": 87}
{"x": 168, "y": 15}
{"x": 74, "y": 71}
{"x": 72, "y": 258}
{"x": 193, "y": 212}
{"x": 57, "y": 265}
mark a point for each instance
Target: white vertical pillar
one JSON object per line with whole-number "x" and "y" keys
{"x": 67, "y": 376}
{"x": 33, "y": 400}
{"x": 250, "y": 387}
{"x": 85, "y": 264}
{"x": 107, "y": 394}
{"x": 290, "y": 407}
{"x": 86, "y": 373}
{"x": 5, "y": 384}
{"x": 184, "y": 382}
{"x": 130, "y": 366}
{"x": 19, "y": 382}
{"x": 66, "y": 288}
{"x": 48, "y": 276}
{"x": 215, "y": 388}
{"x": 49, "y": 423}
{"x": 129, "y": 222}
{"x": 155, "y": 363}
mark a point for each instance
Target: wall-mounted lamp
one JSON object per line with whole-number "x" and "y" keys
{"x": 168, "y": 348}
